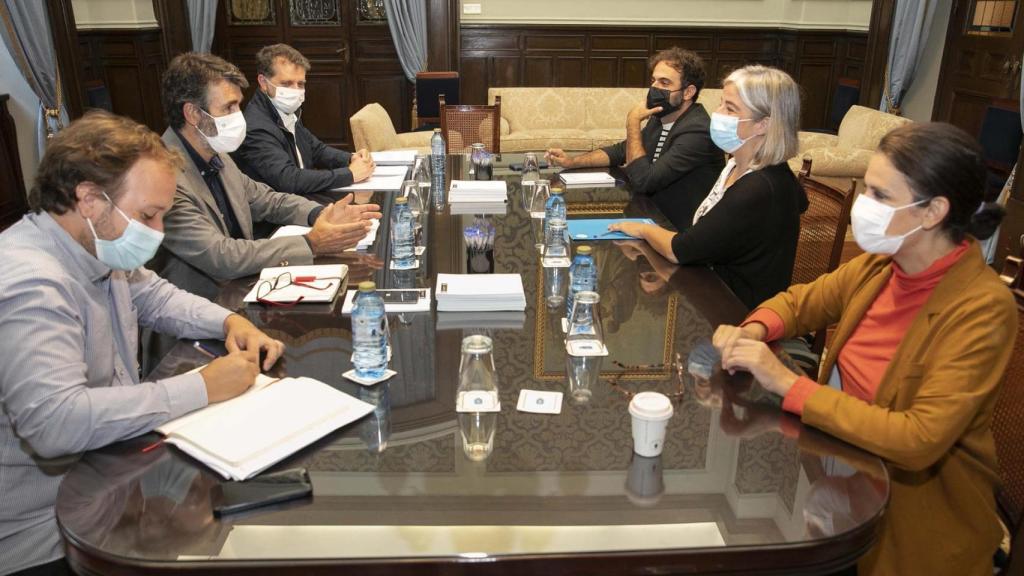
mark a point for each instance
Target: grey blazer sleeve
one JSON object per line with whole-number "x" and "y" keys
{"x": 266, "y": 204}
{"x": 195, "y": 238}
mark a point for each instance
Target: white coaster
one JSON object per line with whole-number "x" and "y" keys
{"x": 539, "y": 402}
{"x": 555, "y": 262}
{"x": 415, "y": 265}
{"x": 565, "y": 325}
{"x": 537, "y": 215}
{"x": 351, "y": 375}
{"x": 478, "y": 402}
{"x": 586, "y": 348}
{"x": 420, "y": 250}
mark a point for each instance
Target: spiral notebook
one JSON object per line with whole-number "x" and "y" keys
{"x": 241, "y": 437}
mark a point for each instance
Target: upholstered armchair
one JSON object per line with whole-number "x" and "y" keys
{"x": 846, "y": 155}
{"x": 372, "y": 129}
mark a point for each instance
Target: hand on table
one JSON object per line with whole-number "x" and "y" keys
{"x": 558, "y": 157}
{"x": 361, "y": 165}
{"x": 634, "y": 229}
{"x": 345, "y": 210}
{"x": 755, "y": 357}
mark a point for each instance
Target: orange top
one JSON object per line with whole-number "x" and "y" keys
{"x": 865, "y": 357}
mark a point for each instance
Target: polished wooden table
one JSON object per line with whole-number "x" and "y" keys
{"x": 740, "y": 488}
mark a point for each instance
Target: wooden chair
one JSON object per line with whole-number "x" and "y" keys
{"x": 429, "y": 87}
{"x": 822, "y": 233}
{"x": 1009, "y": 438}
{"x": 463, "y": 125}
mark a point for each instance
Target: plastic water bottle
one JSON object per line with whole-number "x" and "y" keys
{"x": 554, "y": 209}
{"x": 369, "y": 333}
{"x": 403, "y": 235}
{"x": 437, "y": 162}
{"x": 582, "y": 276}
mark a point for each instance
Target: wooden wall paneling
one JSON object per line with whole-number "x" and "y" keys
{"x": 129, "y": 64}
{"x": 604, "y": 71}
{"x": 570, "y": 71}
{"x": 443, "y": 42}
{"x": 876, "y": 53}
{"x": 539, "y": 71}
{"x": 543, "y": 55}
{"x": 473, "y": 79}
{"x": 377, "y": 75}
{"x": 175, "y": 34}
{"x": 13, "y": 202}
{"x": 65, "y": 42}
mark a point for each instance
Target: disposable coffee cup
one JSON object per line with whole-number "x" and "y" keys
{"x": 651, "y": 412}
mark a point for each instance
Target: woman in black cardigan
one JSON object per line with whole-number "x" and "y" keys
{"x": 747, "y": 227}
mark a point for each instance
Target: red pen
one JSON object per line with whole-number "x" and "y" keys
{"x": 304, "y": 279}
{"x": 153, "y": 446}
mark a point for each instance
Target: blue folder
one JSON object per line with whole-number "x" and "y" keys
{"x": 597, "y": 229}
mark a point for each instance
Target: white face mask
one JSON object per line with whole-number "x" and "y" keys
{"x": 230, "y": 132}
{"x": 133, "y": 248}
{"x": 724, "y": 132}
{"x": 287, "y": 100}
{"x": 870, "y": 219}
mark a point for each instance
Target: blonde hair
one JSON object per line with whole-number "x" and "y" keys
{"x": 770, "y": 93}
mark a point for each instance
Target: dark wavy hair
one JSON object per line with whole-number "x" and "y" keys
{"x": 942, "y": 160}
{"x": 689, "y": 65}
{"x": 187, "y": 79}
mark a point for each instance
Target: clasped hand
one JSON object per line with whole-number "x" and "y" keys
{"x": 743, "y": 348}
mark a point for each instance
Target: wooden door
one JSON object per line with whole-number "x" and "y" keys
{"x": 981, "y": 62}
{"x": 348, "y": 43}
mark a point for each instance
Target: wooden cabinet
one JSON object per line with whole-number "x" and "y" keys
{"x": 13, "y": 203}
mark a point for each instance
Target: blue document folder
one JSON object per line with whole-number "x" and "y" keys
{"x": 597, "y": 229}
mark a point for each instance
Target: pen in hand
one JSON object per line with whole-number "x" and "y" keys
{"x": 205, "y": 349}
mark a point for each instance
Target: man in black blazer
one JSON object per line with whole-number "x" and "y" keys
{"x": 672, "y": 158}
{"x": 278, "y": 149}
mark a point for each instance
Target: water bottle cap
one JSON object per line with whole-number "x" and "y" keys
{"x": 437, "y": 130}
{"x": 583, "y": 250}
{"x": 556, "y": 190}
{"x": 367, "y": 286}
{"x": 401, "y": 200}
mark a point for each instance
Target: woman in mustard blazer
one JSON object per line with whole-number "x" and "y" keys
{"x": 924, "y": 331}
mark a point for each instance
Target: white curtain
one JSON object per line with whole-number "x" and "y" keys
{"x": 910, "y": 24}
{"x": 202, "y": 19}
{"x": 407, "y": 20}
{"x": 25, "y": 27}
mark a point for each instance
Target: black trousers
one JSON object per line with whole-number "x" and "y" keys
{"x": 55, "y": 568}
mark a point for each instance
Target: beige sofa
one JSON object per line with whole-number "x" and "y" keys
{"x": 372, "y": 129}
{"x": 835, "y": 159}
{"x": 574, "y": 119}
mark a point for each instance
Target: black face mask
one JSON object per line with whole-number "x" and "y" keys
{"x": 661, "y": 97}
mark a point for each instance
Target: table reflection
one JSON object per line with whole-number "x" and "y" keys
{"x": 735, "y": 471}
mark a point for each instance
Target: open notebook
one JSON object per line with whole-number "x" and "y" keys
{"x": 241, "y": 437}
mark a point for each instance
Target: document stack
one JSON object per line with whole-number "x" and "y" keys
{"x": 478, "y": 197}
{"x": 394, "y": 157}
{"x": 587, "y": 179}
{"x": 479, "y": 292}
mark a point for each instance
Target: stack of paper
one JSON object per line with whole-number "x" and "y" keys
{"x": 387, "y": 182}
{"x": 243, "y": 436}
{"x": 366, "y": 242}
{"x": 394, "y": 157}
{"x": 478, "y": 191}
{"x": 593, "y": 179}
{"x": 479, "y": 292}
{"x": 315, "y": 283}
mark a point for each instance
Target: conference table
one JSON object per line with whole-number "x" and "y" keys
{"x": 740, "y": 487}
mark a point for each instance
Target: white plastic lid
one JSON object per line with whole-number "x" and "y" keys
{"x": 651, "y": 406}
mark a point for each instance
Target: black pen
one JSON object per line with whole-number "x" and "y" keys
{"x": 205, "y": 349}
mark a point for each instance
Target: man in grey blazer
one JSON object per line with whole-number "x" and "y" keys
{"x": 209, "y": 229}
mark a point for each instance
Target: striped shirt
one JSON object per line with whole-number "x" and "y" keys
{"x": 665, "y": 129}
{"x": 69, "y": 377}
